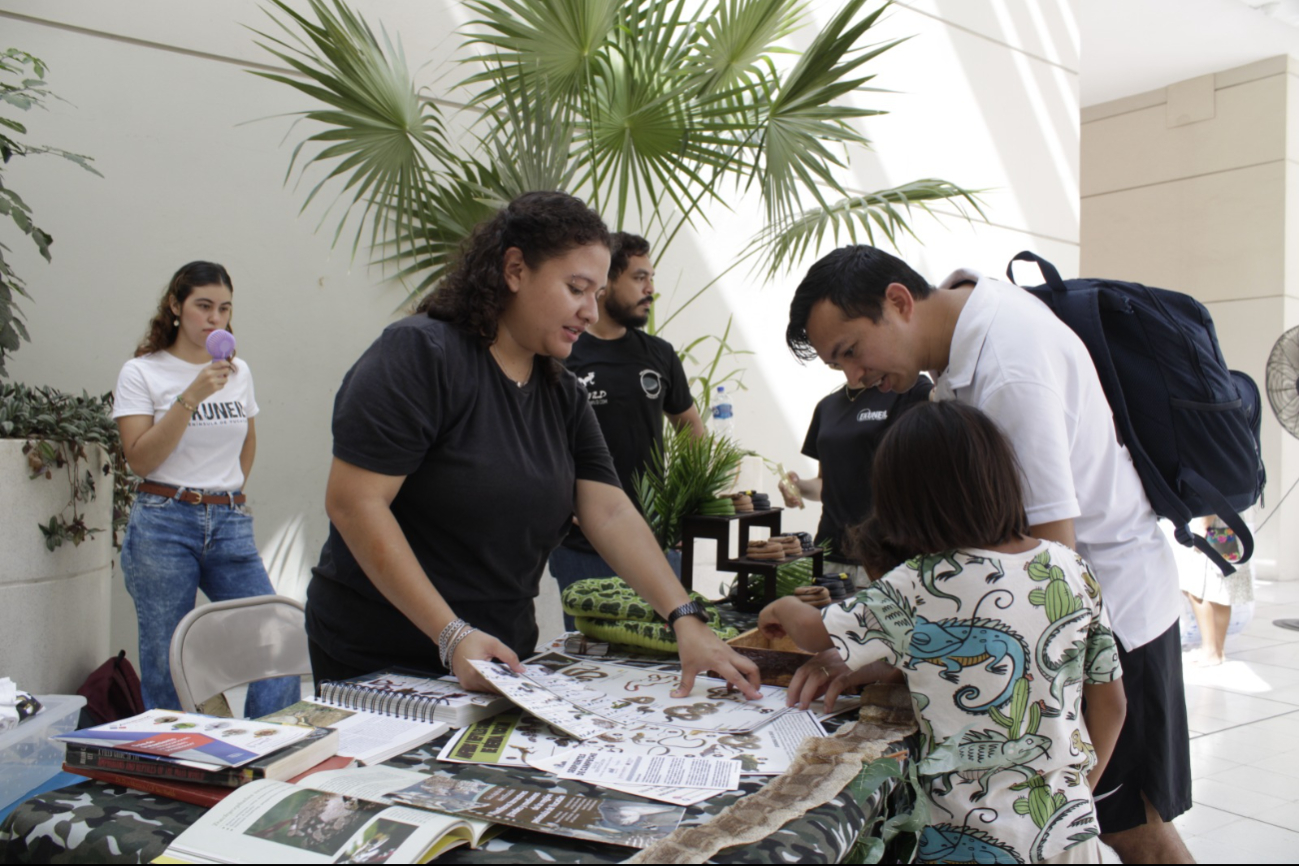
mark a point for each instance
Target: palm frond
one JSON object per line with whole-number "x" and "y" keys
{"x": 557, "y": 41}
{"x": 802, "y": 114}
{"x": 734, "y": 45}
{"x": 379, "y": 136}
{"x": 856, "y": 218}
{"x": 684, "y": 474}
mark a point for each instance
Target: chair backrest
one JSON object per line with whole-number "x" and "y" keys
{"x": 227, "y": 644}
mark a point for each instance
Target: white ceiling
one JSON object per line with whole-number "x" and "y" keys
{"x": 1132, "y": 46}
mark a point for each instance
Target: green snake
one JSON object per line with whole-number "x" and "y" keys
{"x": 607, "y": 609}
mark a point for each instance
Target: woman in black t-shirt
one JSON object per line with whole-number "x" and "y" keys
{"x": 462, "y": 448}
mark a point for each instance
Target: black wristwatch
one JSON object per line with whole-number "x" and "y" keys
{"x": 690, "y": 608}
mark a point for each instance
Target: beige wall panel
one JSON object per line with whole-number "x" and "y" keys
{"x": 1218, "y": 237}
{"x": 1139, "y": 149}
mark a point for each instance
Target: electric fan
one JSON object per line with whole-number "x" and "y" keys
{"x": 1283, "y": 394}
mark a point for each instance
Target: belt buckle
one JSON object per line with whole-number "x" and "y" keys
{"x": 193, "y": 497}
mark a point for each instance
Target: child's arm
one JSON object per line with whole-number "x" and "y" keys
{"x": 1107, "y": 706}
{"x": 797, "y": 619}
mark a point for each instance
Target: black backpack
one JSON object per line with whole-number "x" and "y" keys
{"x": 1191, "y": 425}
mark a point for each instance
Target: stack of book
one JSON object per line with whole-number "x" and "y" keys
{"x": 197, "y": 758}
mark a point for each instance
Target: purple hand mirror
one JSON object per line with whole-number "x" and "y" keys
{"x": 220, "y": 345}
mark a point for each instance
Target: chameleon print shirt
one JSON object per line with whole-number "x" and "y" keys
{"x": 996, "y": 648}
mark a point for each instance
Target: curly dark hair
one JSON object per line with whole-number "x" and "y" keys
{"x": 624, "y": 246}
{"x": 542, "y": 225}
{"x": 161, "y": 333}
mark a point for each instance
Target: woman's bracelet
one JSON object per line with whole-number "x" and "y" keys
{"x": 455, "y": 642}
{"x": 448, "y": 638}
{"x": 180, "y": 398}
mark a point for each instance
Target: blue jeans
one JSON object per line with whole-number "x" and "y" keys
{"x": 569, "y": 566}
{"x": 171, "y": 550}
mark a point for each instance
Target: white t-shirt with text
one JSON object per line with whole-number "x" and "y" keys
{"x": 207, "y": 457}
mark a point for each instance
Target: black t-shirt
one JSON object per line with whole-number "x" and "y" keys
{"x": 843, "y": 436}
{"x": 490, "y": 470}
{"x": 630, "y": 383}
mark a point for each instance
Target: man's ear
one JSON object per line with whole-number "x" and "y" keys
{"x": 899, "y": 297}
{"x": 513, "y": 268}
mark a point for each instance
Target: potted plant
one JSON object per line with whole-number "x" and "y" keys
{"x": 57, "y": 454}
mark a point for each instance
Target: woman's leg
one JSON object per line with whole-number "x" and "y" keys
{"x": 232, "y": 568}
{"x": 160, "y": 564}
{"x": 1213, "y": 620}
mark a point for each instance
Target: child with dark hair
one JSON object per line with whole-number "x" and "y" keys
{"x": 1000, "y": 637}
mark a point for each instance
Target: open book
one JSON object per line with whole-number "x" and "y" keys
{"x": 342, "y": 817}
{"x": 370, "y": 738}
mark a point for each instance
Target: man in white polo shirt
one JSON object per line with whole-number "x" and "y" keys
{"x": 993, "y": 345}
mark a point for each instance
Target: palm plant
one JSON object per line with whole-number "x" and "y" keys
{"x": 655, "y": 109}
{"x": 682, "y": 475}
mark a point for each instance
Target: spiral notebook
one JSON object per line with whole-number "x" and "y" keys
{"x": 409, "y": 695}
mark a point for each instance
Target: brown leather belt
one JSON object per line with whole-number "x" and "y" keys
{"x": 193, "y": 497}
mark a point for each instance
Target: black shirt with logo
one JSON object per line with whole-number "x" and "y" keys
{"x": 843, "y": 436}
{"x": 490, "y": 471}
{"x": 630, "y": 383}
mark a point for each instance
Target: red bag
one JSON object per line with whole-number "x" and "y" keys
{"x": 112, "y": 692}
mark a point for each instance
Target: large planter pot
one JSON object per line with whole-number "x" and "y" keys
{"x": 54, "y": 605}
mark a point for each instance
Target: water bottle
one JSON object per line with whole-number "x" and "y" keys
{"x": 723, "y": 422}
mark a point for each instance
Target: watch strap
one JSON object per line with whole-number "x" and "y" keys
{"x": 690, "y": 608}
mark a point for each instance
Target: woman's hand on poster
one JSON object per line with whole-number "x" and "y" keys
{"x": 481, "y": 646}
{"x": 701, "y": 651}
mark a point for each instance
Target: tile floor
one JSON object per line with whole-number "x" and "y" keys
{"x": 1244, "y": 719}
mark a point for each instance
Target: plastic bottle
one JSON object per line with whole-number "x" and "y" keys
{"x": 723, "y": 421}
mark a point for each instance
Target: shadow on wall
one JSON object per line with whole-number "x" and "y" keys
{"x": 287, "y": 560}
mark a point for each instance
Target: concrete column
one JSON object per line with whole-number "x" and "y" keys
{"x": 54, "y": 605}
{"x": 1193, "y": 187}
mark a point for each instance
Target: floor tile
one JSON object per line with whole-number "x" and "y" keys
{"x": 1203, "y": 766}
{"x": 1234, "y": 798}
{"x": 1259, "y": 778}
{"x": 1267, "y": 843}
{"x": 1288, "y": 695}
{"x": 1284, "y": 655}
{"x": 1207, "y": 849}
{"x": 1244, "y": 744}
{"x": 1242, "y": 641}
{"x": 1286, "y": 764}
{"x": 1286, "y": 816}
{"x": 1203, "y": 819}
{"x": 1252, "y": 678}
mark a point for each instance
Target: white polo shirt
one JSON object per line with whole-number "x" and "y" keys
{"x": 1012, "y": 358}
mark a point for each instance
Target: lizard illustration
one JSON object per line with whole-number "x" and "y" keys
{"x": 984, "y": 754}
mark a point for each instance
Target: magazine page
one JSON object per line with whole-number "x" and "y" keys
{"x": 559, "y": 712}
{"x": 513, "y": 739}
{"x": 598, "y": 819}
{"x": 638, "y": 768}
{"x": 275, "y": 822}
{"x": 628, "y": 695}
{"x": 192, "y": 737}
{"x": 368, "y": 737}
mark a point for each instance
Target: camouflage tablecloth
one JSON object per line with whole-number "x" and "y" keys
{"x": 97, "y": 823}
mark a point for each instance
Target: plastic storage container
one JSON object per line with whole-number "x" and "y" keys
{"x": 28, "y": 757}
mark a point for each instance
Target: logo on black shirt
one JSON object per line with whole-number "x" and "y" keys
{"x": 873, "y": 415}
{"x": 652, "y": 383}
{"x": 596, "y": 398}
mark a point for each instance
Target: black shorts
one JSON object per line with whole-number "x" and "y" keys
{"x": 1153, "y": 754}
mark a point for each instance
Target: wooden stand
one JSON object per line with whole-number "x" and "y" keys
{"x": 719, "y": 529}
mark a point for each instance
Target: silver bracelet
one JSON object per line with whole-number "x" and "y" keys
{"x": 450, "y": 636}
{"x": 455, "y": 642}
{"x": 448, "y": 631}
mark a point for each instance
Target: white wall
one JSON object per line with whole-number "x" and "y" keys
{"x": 986, "y": 95}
